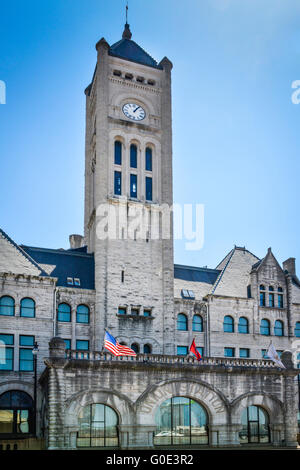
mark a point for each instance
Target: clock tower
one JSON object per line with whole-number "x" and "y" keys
{"x": 128, "y": 171}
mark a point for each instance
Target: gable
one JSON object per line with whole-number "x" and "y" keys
{"x": 14, "y": 260}
{"x": 269, "y": 270}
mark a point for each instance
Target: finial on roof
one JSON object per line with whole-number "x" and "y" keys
{"x": 127, "y": 33}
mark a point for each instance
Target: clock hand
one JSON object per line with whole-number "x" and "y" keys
{"x": 136, "y": 109}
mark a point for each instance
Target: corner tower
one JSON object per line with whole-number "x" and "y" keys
{"x": 128, "y": 167}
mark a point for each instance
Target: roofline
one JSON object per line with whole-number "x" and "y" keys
{"x": 196, "y": 268}
{"x": 59, "y": 251}
{"x": 156, "y": 67}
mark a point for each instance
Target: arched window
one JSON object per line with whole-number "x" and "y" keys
{"x": 135, "y": 347}
{"x": 228, "y": 325}
{"x": 255, "y": 426}
{"x": 265, "y": 327}
{"x": 278, "y": 329}
{"x": 182, "y": 323}
{"x": 243, "y": 325}
{"x": 7, "y": 306}
{"x": 82, "y": 314}
{"x": 27, "y": 308}
{"x": 16, "y": 413}
{"x": 262, "y": 296}
{"x": 118, "y": 152}
{"x": 148, "y": 162}
{"x": 181, "y": 421}
{"x": 133, "y": 156}
{"x": 147, "y": 349}
{"x": 297, "y": 329}
{"x": 197, "y": 323}
{"x": 64, "y": 313}
{"x": 97, "y": 426}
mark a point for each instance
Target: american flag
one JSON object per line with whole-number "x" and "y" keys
{"x": 115, "y": 348}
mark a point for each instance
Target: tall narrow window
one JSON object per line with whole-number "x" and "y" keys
{"x": 133, "y": 156}
{"x": 118, "y": 153}
{"x": 135, "y": 347}
{"x": 7, "y": 306}
{"x": 27, "y": 308}
{"x": 182, "y": 323}
{"x": 262, "y": 300}
{"x": 82, "y": 314}
{"x": 197, "y": 323}
{"x": 228, "y": 325}
{"x": 25, "y": 353}
{"x": 278, "y": 329}
{"x": 148, "y": 159}
{"x": 64, "y": 313}
{"x": 297, "y": 329}
{"x": 118, "y": 183}
{"x": 147, "y": 349}
{"x": 6, "y": 352}
{"x": 280, "y": 297}
{"x": 243, "y": 325}
{"x": 148, "y": 188}
{"x": 133, "y": 186}
{"x": 271, "y": 296}
{"x": 265, "y": 327}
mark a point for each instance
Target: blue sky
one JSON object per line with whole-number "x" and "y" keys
{"x": 235, "y": 129}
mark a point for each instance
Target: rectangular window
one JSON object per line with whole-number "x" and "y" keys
{"x": 182, "y": 350}
{"x": 6, "y": 352}
{"x": 26, "y": 340}
{"x": 118, "y": 153}
{"x": 262, "y": 299}
{"x": 147, "y": 313}
{"x": 82, "y": 345}
{"x": 264, "y": 354}
{"x": 201, "y": 351}
{"x": 70, "y": 281}
{"x": 133, "y": 186}
{"x": 148, "y": 159}
{"x": 118, "y": 183}
{"x": 122, "y": 311}
{"x": 249, "y": 292}
{"x": 271, "y": 300}
{"x": 68, "y": 343}
{"x": 229, "y": 352}
{"x": 76, "y": 281}
{"x": 135, "y": 311}
{"x": 133, "y": 156}
{"x": 148, "y": 188}
{"x": 280, "y": 301}
{"x": 244, "y": 352}
{"x": 25, "y": 360}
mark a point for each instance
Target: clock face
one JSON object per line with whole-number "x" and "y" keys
{"x": 134, "y": 111}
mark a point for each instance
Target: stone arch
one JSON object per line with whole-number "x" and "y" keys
{"x": 119, "y": 402}
{"x": 272, "y": 405}
{"x": 17, "y": 385}
{"x": 214, "y": 402}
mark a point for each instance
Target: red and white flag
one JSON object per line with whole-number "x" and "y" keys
{"x": 195, "y": 351}
{"x": 116, "y": 348}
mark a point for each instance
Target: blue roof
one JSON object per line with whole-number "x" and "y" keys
{"x": 130, "y": 50}
{"x": 192, "y": 273}
{"x": 68, "y": 263}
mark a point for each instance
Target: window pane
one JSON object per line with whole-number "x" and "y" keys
{"x": 280, "y": 301}
{"x": 7, "y": 339}
{"x": 182, "y": 322}
{"x": 26, "y": 340}
{"x": 297, "y": 330}
{"x": 68, "y": 343}
{"x": 265, "y": 327}
{"x": 26, "y": 360}
{"x": 133, "y": 156}
{"x": 197, "y": 323}
{"x": 64, "y": 313}
{"x": 6, "y": 358}
{"x": 148, "y": 189}
{"x": 118, "y": 183}
{"x": 83, "y": 345}
{"x": 133, "y": 186}
{"x": 244, "y": 352}
{"x": 148, "y": 159}
{"x": 271, "y": 300}
{"x": 6, "y": 421}
{"x": 278, "y": 330}
{"x": 182, "y": 350}
{"x": 228, "y": 324}
{"x": 82, "y": 314}
{"x": 22, "y": 421}
{"x": 262, "y": 299}
{"x": 147, "y": 349}
{"x": 7, "y": 306}
{"x": 27, "y": 308}
{"x": 229, "y": 352}
{"x": 243, "y": 325}
{"x": 122, "y": 311}
{"x": 118, "y": 153}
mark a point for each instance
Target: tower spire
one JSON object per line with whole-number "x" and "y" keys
{"x": 127, "y": 33}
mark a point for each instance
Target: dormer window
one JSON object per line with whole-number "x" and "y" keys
{"x": 187, "y": 294}
{"x": 70, "y": 281}
{"x": 117, "y": 73}
{"x": 140, "y": 79}
{"x": 128, "y": 76}
{"x": 76, "y": 281}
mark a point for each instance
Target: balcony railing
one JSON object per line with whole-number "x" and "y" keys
{"x": 168, "y": 359}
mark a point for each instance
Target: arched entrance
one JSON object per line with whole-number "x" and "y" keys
{"x": 181, "y": 421}
{"x": 255, "y": 426}
{"x": 16, "y": 414}
{"x": 97, "y": 426}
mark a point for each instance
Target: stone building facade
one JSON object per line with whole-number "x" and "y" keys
{"x": 63, "y": 300}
